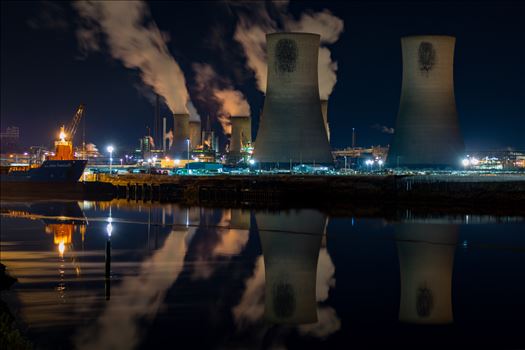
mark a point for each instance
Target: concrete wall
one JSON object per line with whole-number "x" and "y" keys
{"x": 292, "y": 128}
{"x": 427, "y": 129}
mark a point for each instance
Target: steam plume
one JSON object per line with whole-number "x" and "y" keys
{"x": 252, "y": 28}
{"x": 194, "y": 115}
{"x": 231, "y": 102}
{"x": 138, "y": 45}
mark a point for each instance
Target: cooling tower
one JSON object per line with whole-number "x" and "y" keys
{"x": 324, "y": 110}
{"x": 426, "y": 260}
{"x": 290, "y": 244}
{"x": 292, "y": 128}
{"x": 195, "y": 134}
{"x": 181, "y": 133}
{"x": 241, "y": 133}
{"x": 427, "y": 131}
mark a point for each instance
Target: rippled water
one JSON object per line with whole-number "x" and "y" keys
{"x": 119, "y": 275}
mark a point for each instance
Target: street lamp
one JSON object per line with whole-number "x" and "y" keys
{"x": 369, "y": 163}
{"x": 110, "y": 150}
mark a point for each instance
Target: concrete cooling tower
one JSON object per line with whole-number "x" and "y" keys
{"x": 181, "y": 133}
{"x": 290, "y": 244}
{"x": 292, "y": 128}
{"x": 241, "y": 135}
{"x": 324, "y": 110}
{"x": 426, "y": 261}
{"x": 195, "y": 133}
{"x": 427, "y": 131}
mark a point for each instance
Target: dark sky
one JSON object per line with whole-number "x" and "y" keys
{"x": 44, "y": 76}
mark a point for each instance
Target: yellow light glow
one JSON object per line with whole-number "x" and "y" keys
{"x": 62, "y": 135}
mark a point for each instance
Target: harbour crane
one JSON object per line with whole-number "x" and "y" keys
{"x": 64, "y": 145}
{"x": 73, "y": 125}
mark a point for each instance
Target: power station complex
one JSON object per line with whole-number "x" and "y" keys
{"x": 293, "y": 128}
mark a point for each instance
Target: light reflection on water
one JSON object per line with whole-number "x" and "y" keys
{"x": 119, "y": 275}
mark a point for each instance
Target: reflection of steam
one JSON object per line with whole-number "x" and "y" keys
{"x": 251, "y": 306}
{"x": 221, "y": 242}
{"x": 137, "y": 297}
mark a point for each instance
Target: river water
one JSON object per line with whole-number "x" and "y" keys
{"x": 121, "y": 275}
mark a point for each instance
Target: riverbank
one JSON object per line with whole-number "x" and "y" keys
{"x": 475, "y": 193}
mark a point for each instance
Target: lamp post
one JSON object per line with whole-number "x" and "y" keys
{"x": 110, "y": 150}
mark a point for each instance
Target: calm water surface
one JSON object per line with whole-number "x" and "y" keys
{"x": 118, "y": 275}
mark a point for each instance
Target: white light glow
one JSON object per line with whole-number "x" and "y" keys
{"x": 109, "y": 229}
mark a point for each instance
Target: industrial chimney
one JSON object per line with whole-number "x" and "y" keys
{"x": 195, "y": 134}
{"x": 427, "y": 131}
{"x": 292, "y": 129}
{"x": 241, "y": 136}
{"x": 181, "y": 135}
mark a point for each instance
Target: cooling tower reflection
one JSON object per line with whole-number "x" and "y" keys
{"x": 426, "y": 259}
{"x": 291, "y": 281}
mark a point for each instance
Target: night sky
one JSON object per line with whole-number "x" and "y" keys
{"x": 44, "y": 75}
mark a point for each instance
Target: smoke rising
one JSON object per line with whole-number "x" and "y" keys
{"x": 211, "y": 86}
{"x": 251, "y": 34}
{"x": 133, "y": 38}
{"x": 383, "y": 128}
{"x": 194, "y": 115}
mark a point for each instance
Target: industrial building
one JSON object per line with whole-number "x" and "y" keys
{"x": 427, "y": 130}
{"x": 292, "y": 129}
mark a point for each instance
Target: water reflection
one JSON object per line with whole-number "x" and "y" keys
{"x": 139, "y": 296}
{"x": 142, "y": 274}
{"x": 426, "y": 259}
{"x": 291, "y": 281}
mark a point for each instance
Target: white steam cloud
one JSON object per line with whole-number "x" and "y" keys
{"x": 194, "y": 115}
{"x": 251, "y": 34}
{"x": 134, "y": 39}
{"x": 384, "y": 129}
{"x": 231, "y": 102}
